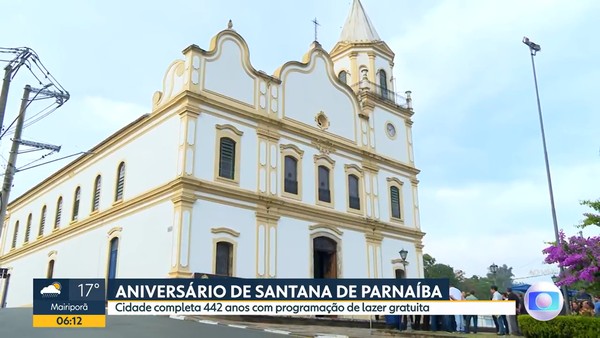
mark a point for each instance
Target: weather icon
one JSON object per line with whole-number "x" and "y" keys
{"x": 51, "y": 290}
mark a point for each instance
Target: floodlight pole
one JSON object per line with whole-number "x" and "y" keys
{"x": 533, "y": 49}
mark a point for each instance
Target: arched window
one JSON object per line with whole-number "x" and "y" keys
{"x": 227, "y": 158}
{"x": 120, "y": 182}
{"x": 50, "y": 272}
{"x": 383, "y": 84}
{"x": 112, "y": 258}
{"x": 399, "y": 273}
{"x": 76, "y": 199}
{"x": 58, "y": 213}
{"x": 353, "y": 192}
{"x": 395, "y": 201}
{"x": 343, "y": 76}
{"x": 324, "y": 187}
{"x": 28, "y": 228}
{"x": 291, "y": 175}
{"x": 224, "y": 259}
{"x": 96, "y": 197}
{"x": 42, "y": 222}
{"x": 15, "y": 234}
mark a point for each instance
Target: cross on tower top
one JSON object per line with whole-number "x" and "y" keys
{"x": 316, "y": 23}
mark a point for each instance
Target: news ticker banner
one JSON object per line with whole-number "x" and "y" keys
{"x": 224, "y": 296}
{"x": 78, "y": 303}
{"x": 84, "y": 303}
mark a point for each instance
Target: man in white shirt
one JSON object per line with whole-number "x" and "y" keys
{"x": 501, "y": 323}
{"x": 456, "y": 294}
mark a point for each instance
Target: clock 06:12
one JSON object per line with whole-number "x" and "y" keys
{"x": 69, "y": 321}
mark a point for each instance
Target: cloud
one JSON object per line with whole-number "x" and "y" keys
{"x": 470, "y": 52}
{"x": 50, "y": 289}
{"x": 508, "y": 222}
{"x": 110, "y": 114}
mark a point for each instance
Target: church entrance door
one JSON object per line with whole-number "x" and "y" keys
{"x": 325, "y": 259}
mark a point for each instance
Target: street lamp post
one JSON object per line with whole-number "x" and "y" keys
{"x": 494, "y": 270}
{"x": 403, "y": 255}
{"x": 534, "y": 49}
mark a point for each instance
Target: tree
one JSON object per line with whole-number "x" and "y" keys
{"x": 428, "y": 261}
{"x": 438, "y": 270}
{"x": 460, "y": 276}
{"x": 503, "y": 278}
{"x": 479, "y": 285}
{"x": 578, "y": 256}
{"x": 591, "y": 218}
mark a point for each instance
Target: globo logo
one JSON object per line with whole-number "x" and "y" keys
{"x": 543, "y": 301}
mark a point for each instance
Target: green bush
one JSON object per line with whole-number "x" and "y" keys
{"x": 560, "y": 327}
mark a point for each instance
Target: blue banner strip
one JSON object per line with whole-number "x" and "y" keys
{"x": 220, "y": 289}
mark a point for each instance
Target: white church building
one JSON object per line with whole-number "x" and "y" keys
{"x": 305, "y": 173}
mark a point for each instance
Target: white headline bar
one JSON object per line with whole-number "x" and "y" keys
{"x": 287, "y": 308}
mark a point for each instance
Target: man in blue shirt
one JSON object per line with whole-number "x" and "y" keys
{"x": 597, "y": 305}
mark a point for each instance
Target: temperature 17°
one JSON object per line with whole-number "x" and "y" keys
{"x": 87, "y": 288}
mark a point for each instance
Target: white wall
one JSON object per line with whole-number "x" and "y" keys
{"x": 406, "y": 198}
{"x": 344, "y": 64}
{"x": 225, "y": 72}
{"x": 390, "y": 248}
{"x": 293, "y": 249}
{"x": 396, "y": 148}
{"x": 208, "y": 215}
{"x": 143, "y": 252}
{"x": 354, "y": 254}
{"x": 152, "y": 154}
{"x": 305, "y": 95}
{"x": 205, "y": 156}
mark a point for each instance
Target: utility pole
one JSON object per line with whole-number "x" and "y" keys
{"x": 4, "y": 93}
{"x": 12, "y": 159}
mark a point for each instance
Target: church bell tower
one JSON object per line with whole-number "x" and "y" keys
{"x": 361, "y": 59}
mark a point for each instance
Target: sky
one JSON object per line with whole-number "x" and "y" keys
{"x": 483, "y": 191}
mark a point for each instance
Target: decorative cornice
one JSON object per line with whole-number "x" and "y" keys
{"x": 399, "y": 261}
{"x": 326, "y": 147}
{"x": 268, "y": 134}
{"x": 374, "y": 237}
{"x": 369, "y": 166}
{"x": 292, "y": 147}
{"x": 184, "y": 196}
{"x": 224, "y": 230}
{"x": 395, "y": 180}
{"x": 322, "y": 157}
{"x": 316, "y": 227}
{"x": 97, "y": 220}
{"x": 294, "y": 128}
{"x": 113, "y": 230}
{"x": 231, "y": 128}
{"x": 348, "y": 167}
{"x": 307, "y": 212}
{"x": 368, "y": 98}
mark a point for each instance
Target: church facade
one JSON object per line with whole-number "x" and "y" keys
{"x": 305, "y": 173}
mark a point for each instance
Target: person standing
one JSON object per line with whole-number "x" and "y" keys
{"x": 501, "y": 324}
{"x": 468, "y": 327}
{"x": 513, "y": 324}
{"x": 456, "y": 295}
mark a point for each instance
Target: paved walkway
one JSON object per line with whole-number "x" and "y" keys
{"x": 297, "y": 330}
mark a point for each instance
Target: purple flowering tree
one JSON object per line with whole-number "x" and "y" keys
{"x": 578, "y": 256}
